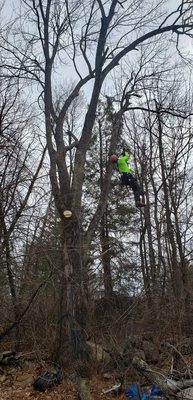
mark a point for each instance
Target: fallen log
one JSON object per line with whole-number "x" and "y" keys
{"x": 186, "y": 394}
{"x": 182, "y": 389}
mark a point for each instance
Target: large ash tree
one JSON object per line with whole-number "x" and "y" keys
{"x": 90, "y": 37}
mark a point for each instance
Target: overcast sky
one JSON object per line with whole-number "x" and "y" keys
{"x": 12, "y": 7}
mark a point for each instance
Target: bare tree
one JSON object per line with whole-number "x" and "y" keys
{"x": 17, "y": 182}
{"x": 59, "y": 31}
{"x": 164, "y": 156}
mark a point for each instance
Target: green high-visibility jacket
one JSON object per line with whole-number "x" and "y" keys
{"x": 122, "y": 163}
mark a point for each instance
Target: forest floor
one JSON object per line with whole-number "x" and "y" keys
{"x": 17, "y": 384}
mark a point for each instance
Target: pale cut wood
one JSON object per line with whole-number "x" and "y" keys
{"x": 84, "y": 391}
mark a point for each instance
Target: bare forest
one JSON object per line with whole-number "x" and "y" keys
{"x": 88, "y": 280}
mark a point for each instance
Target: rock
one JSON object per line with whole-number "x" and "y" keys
{"x": 107, "y": 376}
{"x": 3, "y": 378}
{"x": 98, "y": 352}
{"x": 23, "y": 380}
{"x": 151, "y": 352}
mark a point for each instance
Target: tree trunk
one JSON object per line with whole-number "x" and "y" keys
{"x": 108, "y": 284}
{"x": 75, "y": 302}
{"x": 177, "y": 282}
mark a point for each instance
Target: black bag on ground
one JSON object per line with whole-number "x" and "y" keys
{"x": 48, "y": 379}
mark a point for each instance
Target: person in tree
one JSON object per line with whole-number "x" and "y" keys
{"x": 127, "y": 177}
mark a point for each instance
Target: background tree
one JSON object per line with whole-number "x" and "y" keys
{"x": 19, "y": 193}
{"x": 164, "y": 156}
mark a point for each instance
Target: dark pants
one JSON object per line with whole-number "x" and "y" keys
{"x": 127, "y": 179}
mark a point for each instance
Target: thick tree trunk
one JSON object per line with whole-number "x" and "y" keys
{"x": 75, "y": 301}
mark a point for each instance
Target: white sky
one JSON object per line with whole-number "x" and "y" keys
{"x": 12, "y": 7}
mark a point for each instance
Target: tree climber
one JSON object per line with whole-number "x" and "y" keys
{"x": 127, "y": 178}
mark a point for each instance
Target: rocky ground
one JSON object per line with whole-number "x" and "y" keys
{"x": 17, "y": 384}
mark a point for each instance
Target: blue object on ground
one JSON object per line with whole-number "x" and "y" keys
{"x": 132, "y": 393}
{"x": 155, "y": 391}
